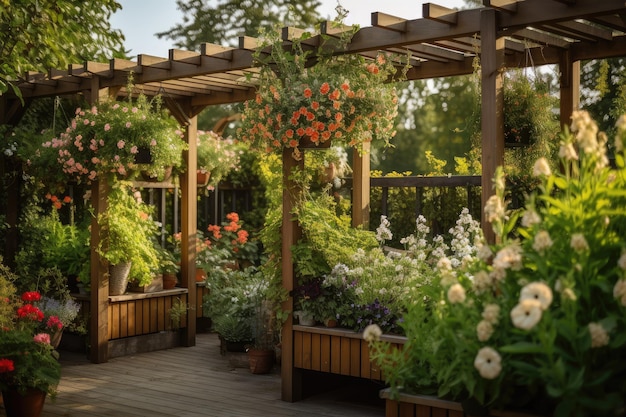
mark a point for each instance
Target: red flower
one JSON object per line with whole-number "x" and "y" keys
{"x": 31, "y": 296}
{"x": 308, "y": 93}
{"x": 30, "y": 312}
{"x": 54, "y": 323}
{"x": 325, "y": 88}
{"x": 6, "y": 365}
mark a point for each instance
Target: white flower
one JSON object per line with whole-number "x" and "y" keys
{"x": 383, "y": 232}
{"x": 372, "y": 333}
{"x": 542, "y": 241}
{"x": 579, "y": 243}
{"x": 484, "y": 330}
{"x": 568, "y": 152}
{"x": 484, "y": 253}
{"x": 530, "y": 218}
{"x": 488, "y": 363}
{"x": 541, "y": 168}
{"x": 444, "y": 264}
{"x": 494, "y": 209}
{"x": 526, "y": 314}
{"x": 619, "y": 291}
{"x": 482, "y": 281}
{"x": 508, "y": 257}
{"x": 456, "y": 294}
{"x": 537, "y": 291}
{"x": 599, "y": 336}
{"x": 491, "y": 313}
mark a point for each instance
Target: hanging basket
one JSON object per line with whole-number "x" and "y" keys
{"x": 306, "y": 143}
{"x": 118, "y": 278}
{"x": 203, "y": 177}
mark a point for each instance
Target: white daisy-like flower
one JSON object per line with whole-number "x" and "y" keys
{"x": 537, "y": 291}
{"x": 484, "y": 253}
{"x": 484, "y": 330}
{"x": 491, "y": 313}
{"x": 579, "y": 243}
{"x": 526, "y": 314}
{"x": 488, "y": 363}
{"x": 372, "y": 333}
{"x": 494, "y": 209}
{"x": 599, "y": 336}
{"x": 542, "y": 241}
{"x": 508, "y": 257}
{"x": 541, "y": 168}
{"x": 456, "y": 294}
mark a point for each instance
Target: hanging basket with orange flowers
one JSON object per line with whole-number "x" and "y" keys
{"x": 317, "y": 97}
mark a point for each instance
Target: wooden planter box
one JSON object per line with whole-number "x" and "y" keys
{"x": 414, "y": 405}
{"x": 335, "y": 351}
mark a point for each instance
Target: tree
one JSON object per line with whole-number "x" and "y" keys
{"x": 37, "y": 35}
{"x": 229, "y": 19}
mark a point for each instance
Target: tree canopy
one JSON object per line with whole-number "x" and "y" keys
{"x": 37, "y": 35}
{"x": 224, "y": 22}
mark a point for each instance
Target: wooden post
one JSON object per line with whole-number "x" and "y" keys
{"x": 189, "y": 222}
{"x": 290, "y": 376}
{"x": 492, "y": 103}
{"x": 569, "y": 88}
{"x": 99, "y": 301}
{"x": 361, "y": 187}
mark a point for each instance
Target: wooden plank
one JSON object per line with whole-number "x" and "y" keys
{"x": 335, "y": 354}
{"x": 297, "y": 349}
{"x": 145, "y": 306}
{"x": 439, "y": 412}
{"x": 316, "y": 354}
{"x": 138, "y": 317}
{"x": 406, "y": 410}
{"x": 167, "y": 307}
{"x": 355, "y": 357}
{"x": 345, "y": 356}
{"x": 361, "y": 187}
{"x": 391, "y": 408}
{"x": 422, "y": 410}
{"x": 124, "y": 319}
{"x": 325, "y": 353}
{"x": 131, "y": 319}
{"x": 115, "y": 321}
{"x": 306, "y": 351}
{"x": 366, "y": 365}
{"x": 161, "y": 313}
{"x": 154, "y": 311}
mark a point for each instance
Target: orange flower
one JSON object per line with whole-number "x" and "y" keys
{"x": 315, "y": 105}
{"x": 300, "y": 131}
{"x": 233, "y": 216}
{"x": 67, "y": 199}
{"x": 310, "y": 116}
{"x": 345, "y": 86}
{"x": 338, "y": 117}
{"x": 289, "y": 133}
{"x": 307, "y": 92}
{"x": 325, "y": 88}
{"x": 242, "y": 236}
{"x": 335, "y": 95}
{"x": 293, "y": 143}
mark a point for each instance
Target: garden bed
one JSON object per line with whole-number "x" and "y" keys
{"x": 336, "y": 351}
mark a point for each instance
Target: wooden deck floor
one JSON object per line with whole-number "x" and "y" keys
{"x": 195, "y": 381}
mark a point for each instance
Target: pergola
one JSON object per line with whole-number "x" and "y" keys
{"x": 444, "y": 42}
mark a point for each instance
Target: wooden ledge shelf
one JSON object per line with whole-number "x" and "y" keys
{"x": 347, "y": 333}
{"x": 141, "y": 295}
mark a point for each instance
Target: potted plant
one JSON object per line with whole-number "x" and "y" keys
{"x": 308, "y": 98}
{"x": 119, "y": 139}
{"x": 126, "y": 239}
{"x": 534, "y": 322}
{"x": 178, "y": 313}
{"x": 217, "y": 156}
{"x": 29, "y": 367}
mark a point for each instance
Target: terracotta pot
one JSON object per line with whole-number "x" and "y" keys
{"x": 261, "y": 360}
{"x": 202, "y": 177}
{"x": 330, "y": 322}
{"x": 28, "y": 405}
{"x": 169, "y": 281}
{"x": 200, "y": 275}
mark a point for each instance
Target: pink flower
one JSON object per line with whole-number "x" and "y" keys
{"x": 128, "y": 125}
{"x": 134, "y": 150}
{"x": 107, "y": 127}
{"x": 42, "y": 338}
{"x": 121, "y": 144}
{"x": 153, "y": 142}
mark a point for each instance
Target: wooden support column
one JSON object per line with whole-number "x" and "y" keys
{"x": 361, "y": 187}
{"x": 492, "y": 103}
{"x": 99, "y": 301}
{"x": 569, "y": 88}
{"x": 189, "y": 226}
{"x": 291, "y": 232}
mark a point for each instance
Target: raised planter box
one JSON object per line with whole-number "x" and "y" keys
{"x": 336, "y": 351}
{"x": 414, "y": 405}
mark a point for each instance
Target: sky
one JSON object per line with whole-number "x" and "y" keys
{"x": 139, "y": 20}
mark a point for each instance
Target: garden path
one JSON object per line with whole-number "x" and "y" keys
{"x": 193, "y": 381}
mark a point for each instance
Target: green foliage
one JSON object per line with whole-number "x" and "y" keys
{"x": 39, "y": 35}
{"x": 127, "y": 232}
{"x": 224, "y": 22}
{"x": 217, "y": 155}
